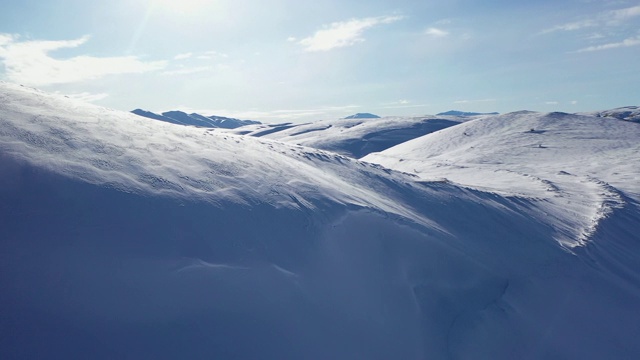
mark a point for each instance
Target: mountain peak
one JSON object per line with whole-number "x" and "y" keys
{"x": 363, "y": 116}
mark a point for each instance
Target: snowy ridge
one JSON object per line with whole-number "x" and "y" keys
{"x": 354, "y": 137}
{"x": 565, "y": 161}
{"x": 125, "y": 237}
{"x": 629, "y": 113}
{"x": 195, "y": 119}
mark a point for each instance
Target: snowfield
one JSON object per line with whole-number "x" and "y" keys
{"x": 579, "y": 167}
{"x": 124, "y": 237}
{"x": 353, "y": 137}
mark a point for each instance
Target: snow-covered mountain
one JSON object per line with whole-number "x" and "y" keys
{"x": 194, "y": 119}
{"x": 362, "y": 116}
{"x": 353, "y": 137}
{"x": 629, "y": 113}
{"x": 126, "y": 237}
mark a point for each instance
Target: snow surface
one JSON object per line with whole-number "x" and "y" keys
{"x": 355, "y": 137}
{"x": 124, "y": 237}
{"x": 629, "y": 113}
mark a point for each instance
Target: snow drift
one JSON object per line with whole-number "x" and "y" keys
{"x": 124, "y": 237}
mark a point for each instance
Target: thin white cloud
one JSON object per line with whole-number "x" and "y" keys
{"x": 183, "y": 56}
{"x": 291, "y": 39}
{"x": 624, "y": 14}
{"x": 397, "y": 102}
{"x": 473, "y": 101}
{"x": 551, "y": 102}
{"x": 624, "y": 43}
{"x": 5, "y": 39}
{"x": 572, "y": 26}
{"x": 610, "y": 18}
{"x": 342, "y": 34}
{"x": 188, "y": 70}
{"x": 209, "y": 55}
{"x": 28, "y": 62}
{"x": 87, "y": 97}
{"x": 435, "y": 32}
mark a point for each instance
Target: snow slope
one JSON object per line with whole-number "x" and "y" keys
{"x": 583, "y": 165}
{"x": 124, "y": 237}
{"x": 354, "y": 137}
{"x": 629, "y": 113}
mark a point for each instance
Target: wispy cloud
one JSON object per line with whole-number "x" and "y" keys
{"x": 188, "y": 70}
{"x": 342, "y": 34}
{"x": 435, "y": 32}
{"x": 608, "y": 18}
{"x": 635, "y": 41}
{"x": 86, "y": 96}
{"x": 209, "y": 55}
{"x": 572, "y": 26}
{"x": 624, "y": 14}
{"x": 29, "y": 62}
{"x": 183, "y": 56}
{"x": 473, "y": 101}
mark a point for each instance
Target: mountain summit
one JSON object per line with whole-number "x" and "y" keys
{"x": 363, "y": 116}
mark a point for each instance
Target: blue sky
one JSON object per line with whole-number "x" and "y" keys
{"x": 285, "y": 60}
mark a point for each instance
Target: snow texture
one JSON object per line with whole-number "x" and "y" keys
{"x": 125, "y": 238}
{"x": 353, "y": 137}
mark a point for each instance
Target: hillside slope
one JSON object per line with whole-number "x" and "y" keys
{"x": 124, "y": 237}
{"x": 355, "y": 137}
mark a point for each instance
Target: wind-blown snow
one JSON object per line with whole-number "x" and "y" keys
{"x": 581, "y": 166}
{"x": 125, "y": 237}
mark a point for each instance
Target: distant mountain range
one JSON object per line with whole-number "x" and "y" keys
{"x": 194, "y": 119}
{"x": 464, "y": 113}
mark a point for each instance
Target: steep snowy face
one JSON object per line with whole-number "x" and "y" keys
{"x": 134, "y": 154}
{"x": 125, "y": 237}
{"x": 354, "y": 137}
{"x": 578, "y": 166}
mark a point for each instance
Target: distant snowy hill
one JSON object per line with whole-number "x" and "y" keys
{"x": 124, "y": 237}
{"x": 582, "y": 164}
{"x": 353, "y": 137}
{"x": 464, "y": 113}
{"x": 182, "y": 118}
{"x": 629, "y": 113}
{"x": 363, "y": 116}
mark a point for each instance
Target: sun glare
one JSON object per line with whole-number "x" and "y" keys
{"x": 184, "y": 7}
